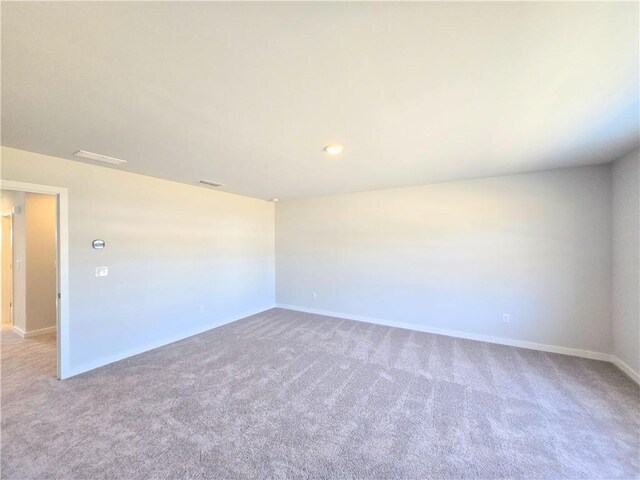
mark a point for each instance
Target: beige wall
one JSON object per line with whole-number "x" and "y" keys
{"x": 7, "y": 274}
{"x": 41, "y": 291}
{"x": 182, "y": 259}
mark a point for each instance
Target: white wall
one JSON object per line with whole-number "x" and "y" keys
{"x": 181, "y": 259}
{"x": 453, "y": 257}
{"x": 457, "y": 256}
{"x": 626, "y": 261}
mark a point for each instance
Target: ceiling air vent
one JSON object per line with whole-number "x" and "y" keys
{"x": 98, "y": 157}
{"x": 211, "y": 184}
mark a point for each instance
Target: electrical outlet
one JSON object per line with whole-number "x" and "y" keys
{"x": 506, "y": 318}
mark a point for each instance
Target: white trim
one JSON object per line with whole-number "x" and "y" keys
{"x": 635, "y": 376}
{"x": 63, "y": 264}
{"x": 161, "y": 343}
{"x": 17, "y": 330}
{"x": 40, "y": 331}
{"x": 32, "y": 333}
{"x": 576, "y": 352}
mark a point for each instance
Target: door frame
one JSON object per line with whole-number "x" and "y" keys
{"x": 62, "y": 320}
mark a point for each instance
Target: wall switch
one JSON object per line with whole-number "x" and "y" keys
{"x": 102, "y": 271}
{"x": 315, "y": 295}
{"x": 506, "y": 318}
{"x": 201, "y": 308}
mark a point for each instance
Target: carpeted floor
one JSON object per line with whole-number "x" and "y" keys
{"x": 286, "y": 394}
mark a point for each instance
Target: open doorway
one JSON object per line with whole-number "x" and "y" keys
{"x": 34, "y": 270}
{"x": 30, "y": 270}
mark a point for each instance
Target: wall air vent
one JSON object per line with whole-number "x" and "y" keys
{"x": 210, "y": 183}
{"x": 99, "y": 158}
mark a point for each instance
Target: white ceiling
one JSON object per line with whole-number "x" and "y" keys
{"x": 247, "y": 94}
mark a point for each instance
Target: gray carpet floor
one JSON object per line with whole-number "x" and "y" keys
{"x": 286, "y": 394}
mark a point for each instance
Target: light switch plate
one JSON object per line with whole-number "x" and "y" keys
{"x": 102, "y": 271}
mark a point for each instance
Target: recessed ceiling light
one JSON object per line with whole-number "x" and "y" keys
{"x": 210, "y": 183}
{"x": 275, "y": 200}
{"x": 334, "y": 149}
{"x": 99, "y": 158}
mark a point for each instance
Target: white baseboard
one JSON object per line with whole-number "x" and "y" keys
{"x": 33, "y": 333}
{"x": 451, "y": 333}
{"x": 576, "y": 352}
{"x": 41, "y": 331}
{"x": 635, "y": 376}
{"x": 17, "y": 330}
{"x": 76, "y": 370}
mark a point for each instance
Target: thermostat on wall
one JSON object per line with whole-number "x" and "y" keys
{"x": 98, "y": 244}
